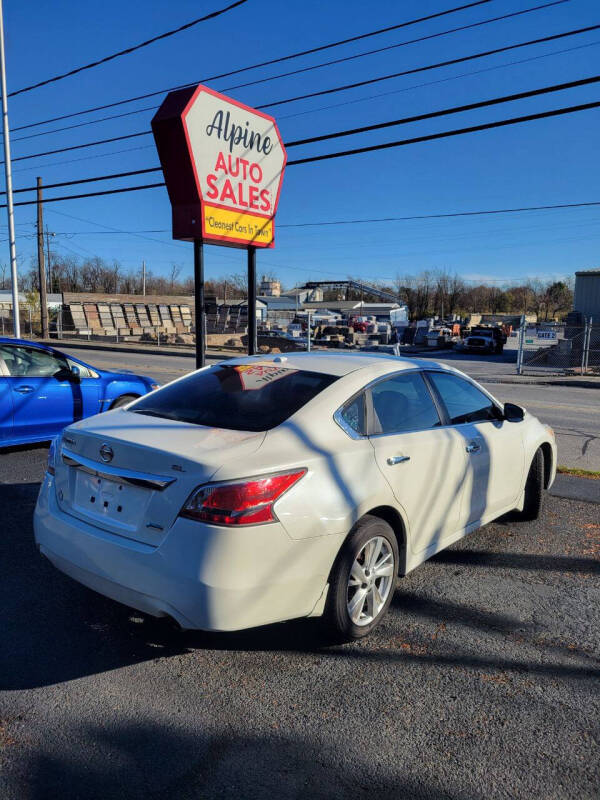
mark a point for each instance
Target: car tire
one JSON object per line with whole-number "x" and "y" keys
{"x": 373, "y": 542}
{"x": 123, "y": 400}
{"x": 534, "y": 489}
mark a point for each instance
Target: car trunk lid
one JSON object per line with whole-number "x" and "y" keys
{"x": 130, "y": 474}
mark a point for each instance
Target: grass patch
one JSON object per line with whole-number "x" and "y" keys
{"x": 579, "y": 473}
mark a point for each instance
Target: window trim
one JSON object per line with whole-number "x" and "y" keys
{"x": 466, "y": 379}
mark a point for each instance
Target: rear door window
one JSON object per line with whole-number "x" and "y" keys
{"x": 403, "y": 403}
{"x": 244, "y": 397}
{"x": 464, "y": 402}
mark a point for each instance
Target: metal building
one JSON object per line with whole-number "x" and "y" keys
{"x": 587, "y": 294}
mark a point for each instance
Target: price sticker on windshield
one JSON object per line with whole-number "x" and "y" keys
{"x": 257, "y": 376}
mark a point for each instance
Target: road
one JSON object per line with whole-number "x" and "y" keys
{"x": 482, "y": 681}
{"x": 573, "y": 412}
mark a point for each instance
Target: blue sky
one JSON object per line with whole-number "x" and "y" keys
{"x": 543, "y": 162}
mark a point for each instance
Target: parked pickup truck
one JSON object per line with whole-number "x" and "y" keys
{"x": 485, "y": 339}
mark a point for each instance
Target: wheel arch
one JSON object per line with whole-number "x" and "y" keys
{"x": 394, "y": 519}
{"x": 131, "y": 395}
{"x": 546, "y": 449}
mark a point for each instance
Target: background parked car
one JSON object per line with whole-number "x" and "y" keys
{"x": 42, "y": 390}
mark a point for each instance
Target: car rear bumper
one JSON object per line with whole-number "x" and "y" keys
{"x": 203, "y": 576}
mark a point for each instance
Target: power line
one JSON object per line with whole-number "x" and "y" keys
{"x": 446, "y": 134}
{"x": 354, "y": 131}
{"x": 92, "y": 179}
{"x": 86, "y": 158}
{"x": 330, "y": 91}
{"x": 446, "y": 111}
{"x": 436, "y": 82}
{"x": 300, "y": 113}
{"x": 109, "y": 229}
{"x": 447, "y": 63}
{"x": 129, "y": 50}
{"x": 81, "y": 146}
{"x": 312, "y": 67}
{"x": 375, "y": 220}
{"x": 84, "y": 124}
{"x": 279, "y": 60}
{"x": 358, "y": 150}
{"x": 89, "y": 194}
{"x": 394, "y": 46}
{"x": 445, "y": 215}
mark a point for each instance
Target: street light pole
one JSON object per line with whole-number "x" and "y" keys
{"x": 9, "y": 190}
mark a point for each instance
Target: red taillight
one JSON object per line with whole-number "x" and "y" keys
{"x": 244, "y": 503}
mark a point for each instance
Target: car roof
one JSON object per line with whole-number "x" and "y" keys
{"x": 340, "y": 363}
{"x": 24, "y": 343}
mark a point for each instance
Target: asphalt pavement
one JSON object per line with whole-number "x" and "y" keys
{"x": 573, "y": 412}
{"x": 482, "y": 681}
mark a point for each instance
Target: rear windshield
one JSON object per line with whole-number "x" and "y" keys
{"x": 244, "y": 397}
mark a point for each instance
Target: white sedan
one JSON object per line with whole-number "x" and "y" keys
{"x": 264, "y": 489}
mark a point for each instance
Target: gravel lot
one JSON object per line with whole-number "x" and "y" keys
{"x": 482, "y": 682}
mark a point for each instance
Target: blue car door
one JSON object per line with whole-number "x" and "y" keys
{"x": 6, "y": 408}
{"x": 44, "y": 396}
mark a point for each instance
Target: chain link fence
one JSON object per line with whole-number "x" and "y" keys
{"x": 559, "y": 349}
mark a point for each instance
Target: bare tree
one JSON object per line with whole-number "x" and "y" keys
{"x": 174, "y": 274}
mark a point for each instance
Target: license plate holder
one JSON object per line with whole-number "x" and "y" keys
{"x": 114, "y": 501}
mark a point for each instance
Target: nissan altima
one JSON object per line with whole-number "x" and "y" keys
{"x": 268, "y": 488}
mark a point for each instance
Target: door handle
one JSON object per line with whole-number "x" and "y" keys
{"x": 397, "y": 460}
{"x": 473, "y": 447}
{"x": 24, "y": 389}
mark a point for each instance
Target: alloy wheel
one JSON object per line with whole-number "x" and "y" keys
{"x": 370, "y": 581}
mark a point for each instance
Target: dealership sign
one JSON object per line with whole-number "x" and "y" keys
{"x": 223, "y": 164}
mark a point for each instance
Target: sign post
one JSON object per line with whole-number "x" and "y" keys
{"x": 223, "y": 164}
{"x": 199, "y": 309}
{"x": 252, "y": 337}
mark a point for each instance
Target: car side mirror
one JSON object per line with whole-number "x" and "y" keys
{"x": 65, "y": 374}
{"x": 513, "y": 413}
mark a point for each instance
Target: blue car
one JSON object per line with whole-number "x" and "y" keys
{"x": 43, "y": 390}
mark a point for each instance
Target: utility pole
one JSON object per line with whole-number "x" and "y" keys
{"x": 41, "y": 264}
{"x": 9, "y": 190}
{"x": 144, "y": 278}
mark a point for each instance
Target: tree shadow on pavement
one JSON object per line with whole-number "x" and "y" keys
{"x": 146, "y": 760}
{"x": 57, "y": 630}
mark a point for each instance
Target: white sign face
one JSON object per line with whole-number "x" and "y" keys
{"x": 239, "y": 159}
{"x": 546, "y": 334}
